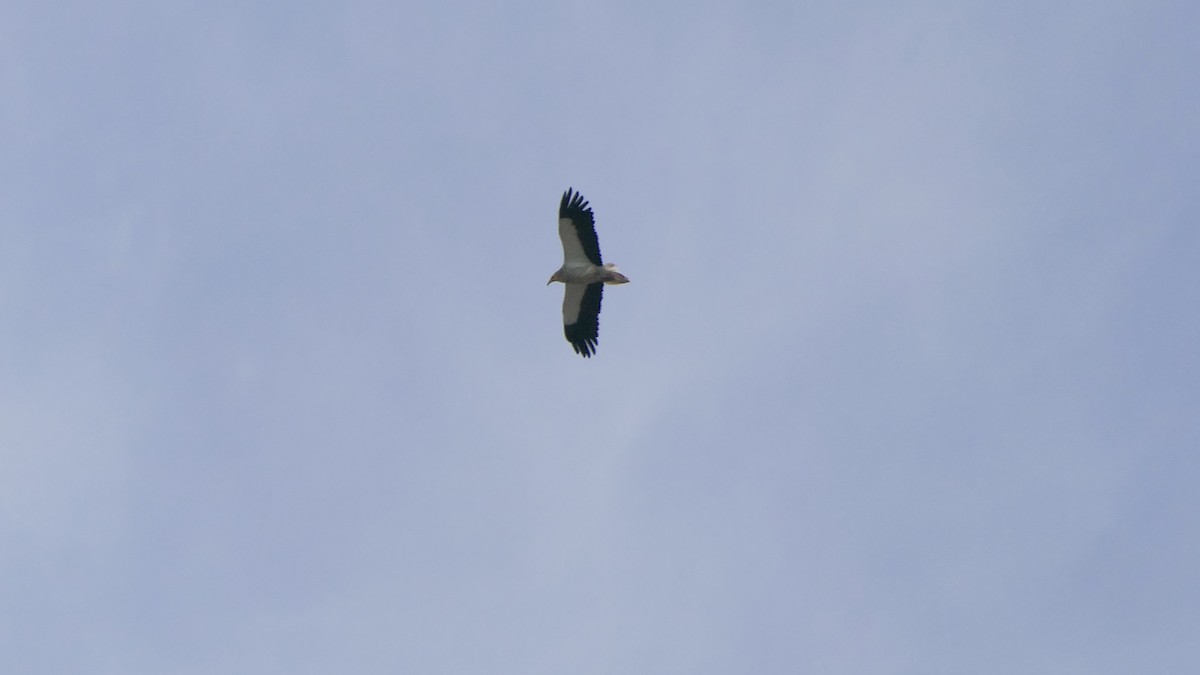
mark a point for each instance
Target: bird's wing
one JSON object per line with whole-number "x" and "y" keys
{"x": 581, "y": 316}
{"x": 577, "y": 229}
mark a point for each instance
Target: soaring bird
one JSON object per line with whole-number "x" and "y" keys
{"x": 582, "y": 272}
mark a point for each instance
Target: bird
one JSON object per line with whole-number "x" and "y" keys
{"x": 582, "y": 272}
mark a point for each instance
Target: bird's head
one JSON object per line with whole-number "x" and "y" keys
{"x": 557, "y": 276}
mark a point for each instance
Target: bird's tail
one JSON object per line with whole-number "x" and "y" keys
{"x": 613, "y": 276}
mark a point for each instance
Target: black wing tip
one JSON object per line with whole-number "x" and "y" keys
{"x": 585, "y": 348}
{"x": 581, "y": 342}
{"x": 573, "y": 203}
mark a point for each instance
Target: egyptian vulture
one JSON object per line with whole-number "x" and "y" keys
{"x": 582, "y": 272}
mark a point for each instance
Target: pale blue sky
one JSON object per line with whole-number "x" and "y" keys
{"x": 906, "y": 379}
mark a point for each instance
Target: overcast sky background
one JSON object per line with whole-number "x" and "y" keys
{"x": 906, "y": 379}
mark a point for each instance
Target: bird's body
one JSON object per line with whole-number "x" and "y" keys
{"x": 590, "y": 274}
{"x": 582, "y": 272}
